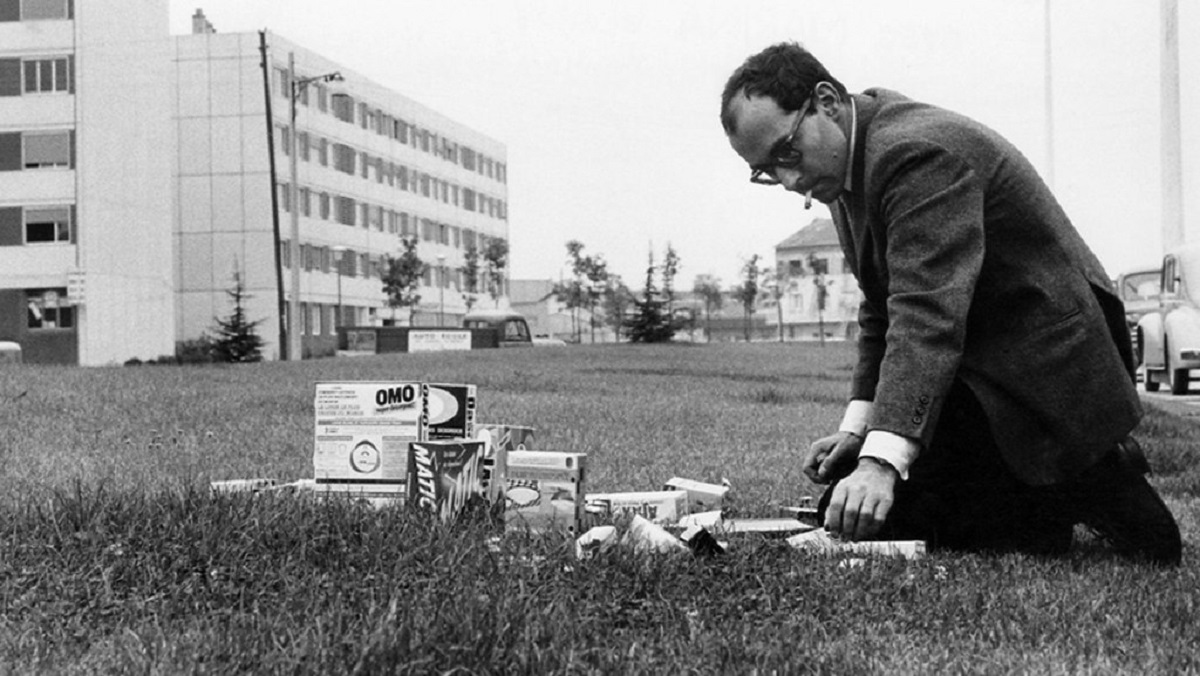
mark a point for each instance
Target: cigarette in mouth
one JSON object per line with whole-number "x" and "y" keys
{"x": 808, "y": 200}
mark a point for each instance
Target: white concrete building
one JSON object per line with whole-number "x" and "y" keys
{"x": 373, "y": 166}
{"x": 85, "y": 180}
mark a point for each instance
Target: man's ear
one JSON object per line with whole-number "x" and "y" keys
{"x": 827, "y": 99}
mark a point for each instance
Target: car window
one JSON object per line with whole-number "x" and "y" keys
{"x": 1141, "y": 285}
{"x": 515, "y": 330}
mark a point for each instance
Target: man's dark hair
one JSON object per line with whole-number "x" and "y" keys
{"x": 785, "y": 72}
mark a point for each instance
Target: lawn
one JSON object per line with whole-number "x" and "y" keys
{"x": 116, "y": 559}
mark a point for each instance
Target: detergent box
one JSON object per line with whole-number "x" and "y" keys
{"x": 544, "y": 490}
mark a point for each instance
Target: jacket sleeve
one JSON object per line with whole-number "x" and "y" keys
{"x": 931, "y": 207}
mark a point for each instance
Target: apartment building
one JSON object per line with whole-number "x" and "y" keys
{"x": 140, "y": 171}
{"x": 85, "y": 180}
{"x": 372, "y": 167}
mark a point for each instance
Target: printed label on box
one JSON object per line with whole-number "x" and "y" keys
{"x": 362, "y": 434}
{"x": 445, "y": 476}
{"x": 544, "y": 490}
{"x": 657, "y": 506}
{"x": 451, "y": 410}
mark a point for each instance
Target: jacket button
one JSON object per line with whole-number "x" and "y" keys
{"x": 924, "y": 399}
{"x": 921, "y": 410}
{"x": 916, "y": 420}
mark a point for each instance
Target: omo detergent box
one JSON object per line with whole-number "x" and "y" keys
{"x": 450, "y": 410}
{"x": 545, "y": 490}
{"x": 445, "y": 476}
{"x": 362, "y": 434}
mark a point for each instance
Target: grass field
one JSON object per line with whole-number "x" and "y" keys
{"x": 115, "y": 559}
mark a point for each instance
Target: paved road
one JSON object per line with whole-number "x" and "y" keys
{"x": 1185, "y": 405}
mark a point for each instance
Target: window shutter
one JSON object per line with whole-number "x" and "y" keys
{"x": 10, "y": 151}
{"x": 10, "y": 77}
{"x": 11, "y": 226}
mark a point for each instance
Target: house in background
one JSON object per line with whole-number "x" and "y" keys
{"x": 816, "y": 289}
{"x": 548, "y": 316}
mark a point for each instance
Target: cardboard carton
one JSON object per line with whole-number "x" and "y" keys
{"x": 362, "y": 434}
{"x": 702, "y": 497}
{"x": 445, "y": 476}
{"x": 450, "y": 410}
{"x": 656, "y": 506}
{"x": 544, "y": 490}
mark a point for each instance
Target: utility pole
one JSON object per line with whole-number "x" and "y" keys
{"x": 1173, "y": 233}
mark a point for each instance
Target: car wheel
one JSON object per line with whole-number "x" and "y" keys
{"x": 1179, "y": 378}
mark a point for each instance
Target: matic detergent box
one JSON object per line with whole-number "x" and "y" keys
{"x": 362, "y": 432}
{"x": 451, "y": 411}
{"x": 500, "y": 440}
{"x": 656, "y": 506}
{"x": 445, "y": 476}
{"x": 544, "y": 490}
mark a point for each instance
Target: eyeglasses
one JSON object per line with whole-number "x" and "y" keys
{"x": 784, "y": 154}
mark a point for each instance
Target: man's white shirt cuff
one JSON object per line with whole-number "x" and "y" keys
{"x": 897, "y": 451}
{"x": 857, "y": 417}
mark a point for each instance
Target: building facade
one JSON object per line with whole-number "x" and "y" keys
{"x": 139, "y": 172}
{"x": 813, "y": 290}
{"x": 85, "y": 180}
{"x": 372, "y": 167}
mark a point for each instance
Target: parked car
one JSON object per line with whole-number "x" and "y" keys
{"x": 511, "y": 327}
{"x": 1138, "y": 288}
{"x": 1168, "y": 337}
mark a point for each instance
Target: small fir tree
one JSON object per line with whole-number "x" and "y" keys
{"x": 237, "y": 340}
{"x": 650, "y": 322}
{"x": 470, "y": 276}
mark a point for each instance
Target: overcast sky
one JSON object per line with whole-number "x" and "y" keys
{"x": 609, "y": 110}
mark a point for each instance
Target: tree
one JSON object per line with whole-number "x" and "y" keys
{"x": 747, "y": 292}
{"x": 820, "y": 267}
{"x": 616, "y": 302}
{"x": 402, "y": 278}
{"x": 237, "y": 340}
{"x": 708, "y": 288}
{"x": 777, "y": 281}
{"x": 589, "y": 284}
{"x": 650, "y": 323}
{"x": 470, "y": 274}
{"x": 495, "y": 259}
{"x": 670, "y": 268}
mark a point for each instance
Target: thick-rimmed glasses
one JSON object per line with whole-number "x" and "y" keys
{"x": 783, "y": 154}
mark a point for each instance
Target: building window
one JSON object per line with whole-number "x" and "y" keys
{"x": 47, "y": 225}
{"x": 345, "y": 208}
{"x": 43, "y": 76}
{"x": 302, "y": 141}
{"x": 46, "y": 309}
{"x": 343, "y": 107}
{"x": 285, "y": 253}
{"x": 343, "y": 158}
{"x": 305, "y": 202}
{"x": 285, "y": 139}
{"x": 281, "y": 76}
{"x": 33, "y": 10}
{"x": 365, "y": 162}
{"x": 322, "y": 98}
{"x": 285, "y": 197}
{"x": 364, "y": 212}
{"x": 52, "y": 149}
{"x": 323, "y": 152}
{"x": 323, "y": 201}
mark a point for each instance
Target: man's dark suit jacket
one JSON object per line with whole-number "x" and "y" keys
{"x": 971, "y": 270}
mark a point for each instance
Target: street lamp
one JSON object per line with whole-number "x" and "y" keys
{"x": 340, "y": 251}
{"x": 297, "y": 86}
{"x": 441, "y": 289}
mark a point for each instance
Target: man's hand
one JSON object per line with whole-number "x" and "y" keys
{"x": 860, "y": 503}
{"x": 832, "y": 457}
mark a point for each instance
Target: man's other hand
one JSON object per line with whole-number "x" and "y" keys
{"x": 832, "y": 457}
{"x": 860, "y": 503}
